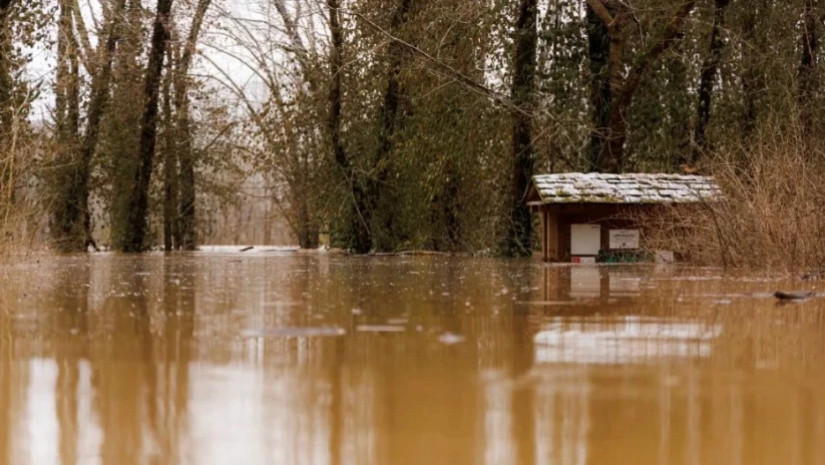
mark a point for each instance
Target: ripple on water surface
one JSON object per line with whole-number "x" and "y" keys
{"x": 276, "y": 357}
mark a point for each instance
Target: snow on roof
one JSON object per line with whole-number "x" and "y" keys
{"x": 622, "y": 188}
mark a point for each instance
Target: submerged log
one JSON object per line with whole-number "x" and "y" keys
{"x": 795, "y": 295}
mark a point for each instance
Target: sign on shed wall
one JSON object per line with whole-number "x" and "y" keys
{"x": 585, "y": 239}
{"x": 624, "y": 238}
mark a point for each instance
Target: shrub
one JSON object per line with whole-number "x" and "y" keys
{"x": 769, "y": 216}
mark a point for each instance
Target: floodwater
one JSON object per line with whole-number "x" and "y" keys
{"x": 312, "y": 359}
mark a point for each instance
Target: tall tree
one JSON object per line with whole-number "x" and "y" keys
{"x": 707, "y": 82}
{"x": 186, "y": 225}
{"x": 67, "y": 230}
{"x": 300, "y": 176}
{"x": 67, "y": 84}
{"x": 369, "y": 194}
{"x": 121, "y": 127}
{"x": 520, "y": 236}
{"x": 335, "y": 100}
{"x": 171, "y": 235}
{"x": 359, "y": 223}
{"x": 366, "y": 188}
{"x": 136, "y": 190}
{"x": 6, "y": 65}
{"x": 72, "y": 218}
{"x": 754, "y": 80}
{"x": 598, "y": 48}
{"x": 807, "y": 73}
{"x": 619, "y": 19}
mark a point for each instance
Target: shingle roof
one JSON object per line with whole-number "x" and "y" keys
{"x": 623, "y": 188}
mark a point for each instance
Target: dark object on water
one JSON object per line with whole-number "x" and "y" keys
{"x": 247, "y": 249}
{"x": 798, "y": 295}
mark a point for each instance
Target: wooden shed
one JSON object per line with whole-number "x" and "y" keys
{"x": 588, "y": 216}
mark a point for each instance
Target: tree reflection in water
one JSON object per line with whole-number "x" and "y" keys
{"x": 190, "y": 359}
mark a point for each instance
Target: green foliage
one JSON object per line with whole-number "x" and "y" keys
{"x": 427, "y": 101}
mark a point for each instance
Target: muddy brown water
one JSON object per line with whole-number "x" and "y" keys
{"x": 293, "y": 359}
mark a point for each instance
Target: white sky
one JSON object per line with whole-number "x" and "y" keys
{"x": 41, "y": 69}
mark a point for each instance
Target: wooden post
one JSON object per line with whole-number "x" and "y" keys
{"x": 553, "y": 235}
{"x": 550, "y": 237}
{"x": 545, "y": 253}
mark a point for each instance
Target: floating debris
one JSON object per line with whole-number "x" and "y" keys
{"x": 794, "y": 295}
{"x": 380, "y": 329}
{"x": 286, "y": 332}
{"x": 548, "y": 303}
{"x": 450, "y": 339}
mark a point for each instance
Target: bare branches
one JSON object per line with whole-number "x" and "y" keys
{"x": 659, "y": 46}
{"x": 192, "y": 38}
{"x": 621, "y": 87}
{"x": 290, "y": 26}
{"x": 443, "y": 68}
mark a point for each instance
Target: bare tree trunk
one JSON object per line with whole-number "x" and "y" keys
{"x": 392, "y": 95}
{"x": 807, "y": 67}
{"x": 306, "y": 223}
{"x": 186, "y": 210}
{"x": 365, "y": 191}
{"x": 388, "y": 117}
{"x": 707, "y": 81}
{"x": 133, "y": 237}
{"x": 170, "y": 163}
{"x": 598, "y": 48}
{"x": 519, "y": 241}
{"x": 6, "y": 71}
{"x": 68, "y": 229}
{"x": 72, "y": 217}
{"x": 73, "y": 87}
{"x": 64, "y": 30}
{"x": 753, "y": 80}
{"x": 359, "y": 225}
{"x": 8, "y": 117}
{"x": 623, "y": 86}
{"x": 336, "y": 62}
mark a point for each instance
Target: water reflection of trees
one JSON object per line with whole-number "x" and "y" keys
{"x": 731, "y": 404}
{"x": 133, "y": 373}
{"x": 109, "y": 364}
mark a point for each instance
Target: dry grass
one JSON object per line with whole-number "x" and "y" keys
{"x": 20, "y": 235}
{"x": 770, "y": 217}
{"x": 21, "y": 213}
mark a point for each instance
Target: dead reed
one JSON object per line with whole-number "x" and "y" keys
{"x": 21, "y": 212}
{"x": 770, "y": 215}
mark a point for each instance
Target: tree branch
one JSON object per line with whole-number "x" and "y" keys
{"x": 446, "y": 69}
{"x": 192, "y": 40}
{"x": 601, "y": 11}
{"x": 646, "y": 59}
{"x": 87, "y": 50}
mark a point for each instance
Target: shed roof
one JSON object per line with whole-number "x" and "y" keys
{"x": 621, "y": 188}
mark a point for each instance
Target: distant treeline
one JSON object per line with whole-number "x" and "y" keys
{"x": 382, "y": 124}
